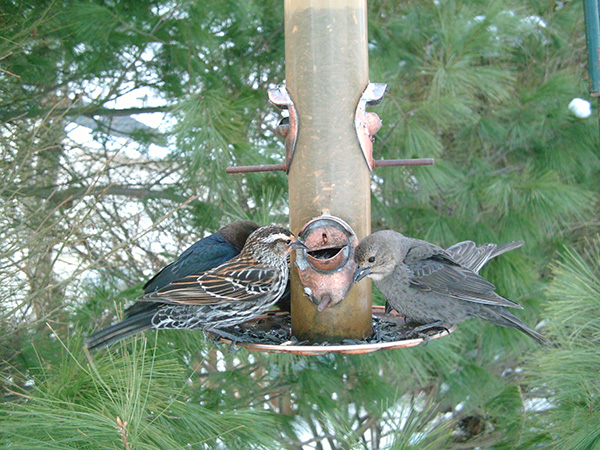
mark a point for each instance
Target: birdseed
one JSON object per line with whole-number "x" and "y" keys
{"x": 275, "y": 329}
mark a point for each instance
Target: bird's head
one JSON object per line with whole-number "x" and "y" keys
{"x": 272, "y": 241}
{"x": 237, "y": 232}
{"x": 374, "y": 258}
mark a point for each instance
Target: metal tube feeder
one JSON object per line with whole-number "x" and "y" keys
{"x": 326, "y": 73}
{"x": 329, "y": 156}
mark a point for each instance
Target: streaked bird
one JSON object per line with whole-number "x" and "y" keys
{"x": 236, "y": 291}
{"x": 433, "y": 286}
{"x": 205, "y": 254}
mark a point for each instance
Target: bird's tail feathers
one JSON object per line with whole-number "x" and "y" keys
{"x": 131, "y": 325}
{"x": 503, "y": 248}
{"x": 507, "y": 319}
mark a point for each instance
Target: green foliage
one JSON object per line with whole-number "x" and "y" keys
{"x": 567, "y": 374}
{"x": 132, "y": 399}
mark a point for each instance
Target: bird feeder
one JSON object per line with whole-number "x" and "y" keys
{"x": 326, "y": 267}
{"x": 329, "y": 158}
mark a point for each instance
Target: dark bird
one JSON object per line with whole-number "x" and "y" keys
{"x": 433, "y": 286}
{"x": 205, "y": 254}
{"x": 236, "y": 291}
{"x": 201, "y": 256}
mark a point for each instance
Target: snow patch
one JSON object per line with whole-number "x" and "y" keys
{"x": 538, "y": 404}
{"x": 581, "y": 108}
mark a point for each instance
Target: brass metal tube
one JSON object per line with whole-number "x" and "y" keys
{"x": 326, "y": 73}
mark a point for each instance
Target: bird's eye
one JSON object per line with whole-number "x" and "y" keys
{"x": 372, "y": 259}
{"x": 288, "y": 242}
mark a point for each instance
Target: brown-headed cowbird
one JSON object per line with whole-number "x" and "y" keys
{"x": 427, "y": 284}
{"x": 236, "y": 291}
{"x": 469, "y": 255}
{"x": 205, "y": 254}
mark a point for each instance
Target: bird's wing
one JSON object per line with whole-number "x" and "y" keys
{"x": 468, "y": 255}
{"x": 433, "y": 270}
{"x": 503, "y": 248}
{"x": 200, "y": 257}
{"x": 204, "y": 255}
{"x": 465, "y": 253}
{"x": 234, "y": 281}
{"x": 140, "y": 308}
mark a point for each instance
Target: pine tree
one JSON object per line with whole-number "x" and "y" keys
{"x": 481, "y": 86}
{"x": 566, "y": 388}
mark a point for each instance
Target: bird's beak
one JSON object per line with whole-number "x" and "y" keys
{"x": 360, "y": 273}
{"x": 299, "y": 245}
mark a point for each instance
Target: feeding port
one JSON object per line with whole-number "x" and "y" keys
{"x": 327, "y": 266}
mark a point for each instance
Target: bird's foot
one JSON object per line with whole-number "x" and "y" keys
{"x": 422, "y": 330}
{"x": 213, "y": 338}
{"x": 426, "y": 338}
{"x": 233, "y": 348}
{"x": 388, "y": 308}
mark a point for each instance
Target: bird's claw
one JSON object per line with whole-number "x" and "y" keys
{"x": 215, "y": 333}
{"x": 426, "y": 338}
{"x": 214, "y": 338}
{"x": 421, "y": 332}
{"x": 233, "y": 347}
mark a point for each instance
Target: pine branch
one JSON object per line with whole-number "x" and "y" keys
{"x": 10, "y": 114}
{"x": 59, "y": 196}
{"x": 109, "y": 112}
{"x": 122, "y": 429}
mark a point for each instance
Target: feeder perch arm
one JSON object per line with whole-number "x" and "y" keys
{"x": 365, "y": 123}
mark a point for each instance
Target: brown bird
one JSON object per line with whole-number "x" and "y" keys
{"x": 236, "y": 291}
{"x": 433, "y": 286}
{"x": 469, "y": 255}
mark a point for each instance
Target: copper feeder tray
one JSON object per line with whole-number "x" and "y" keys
{"x": 280, "y": 319}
